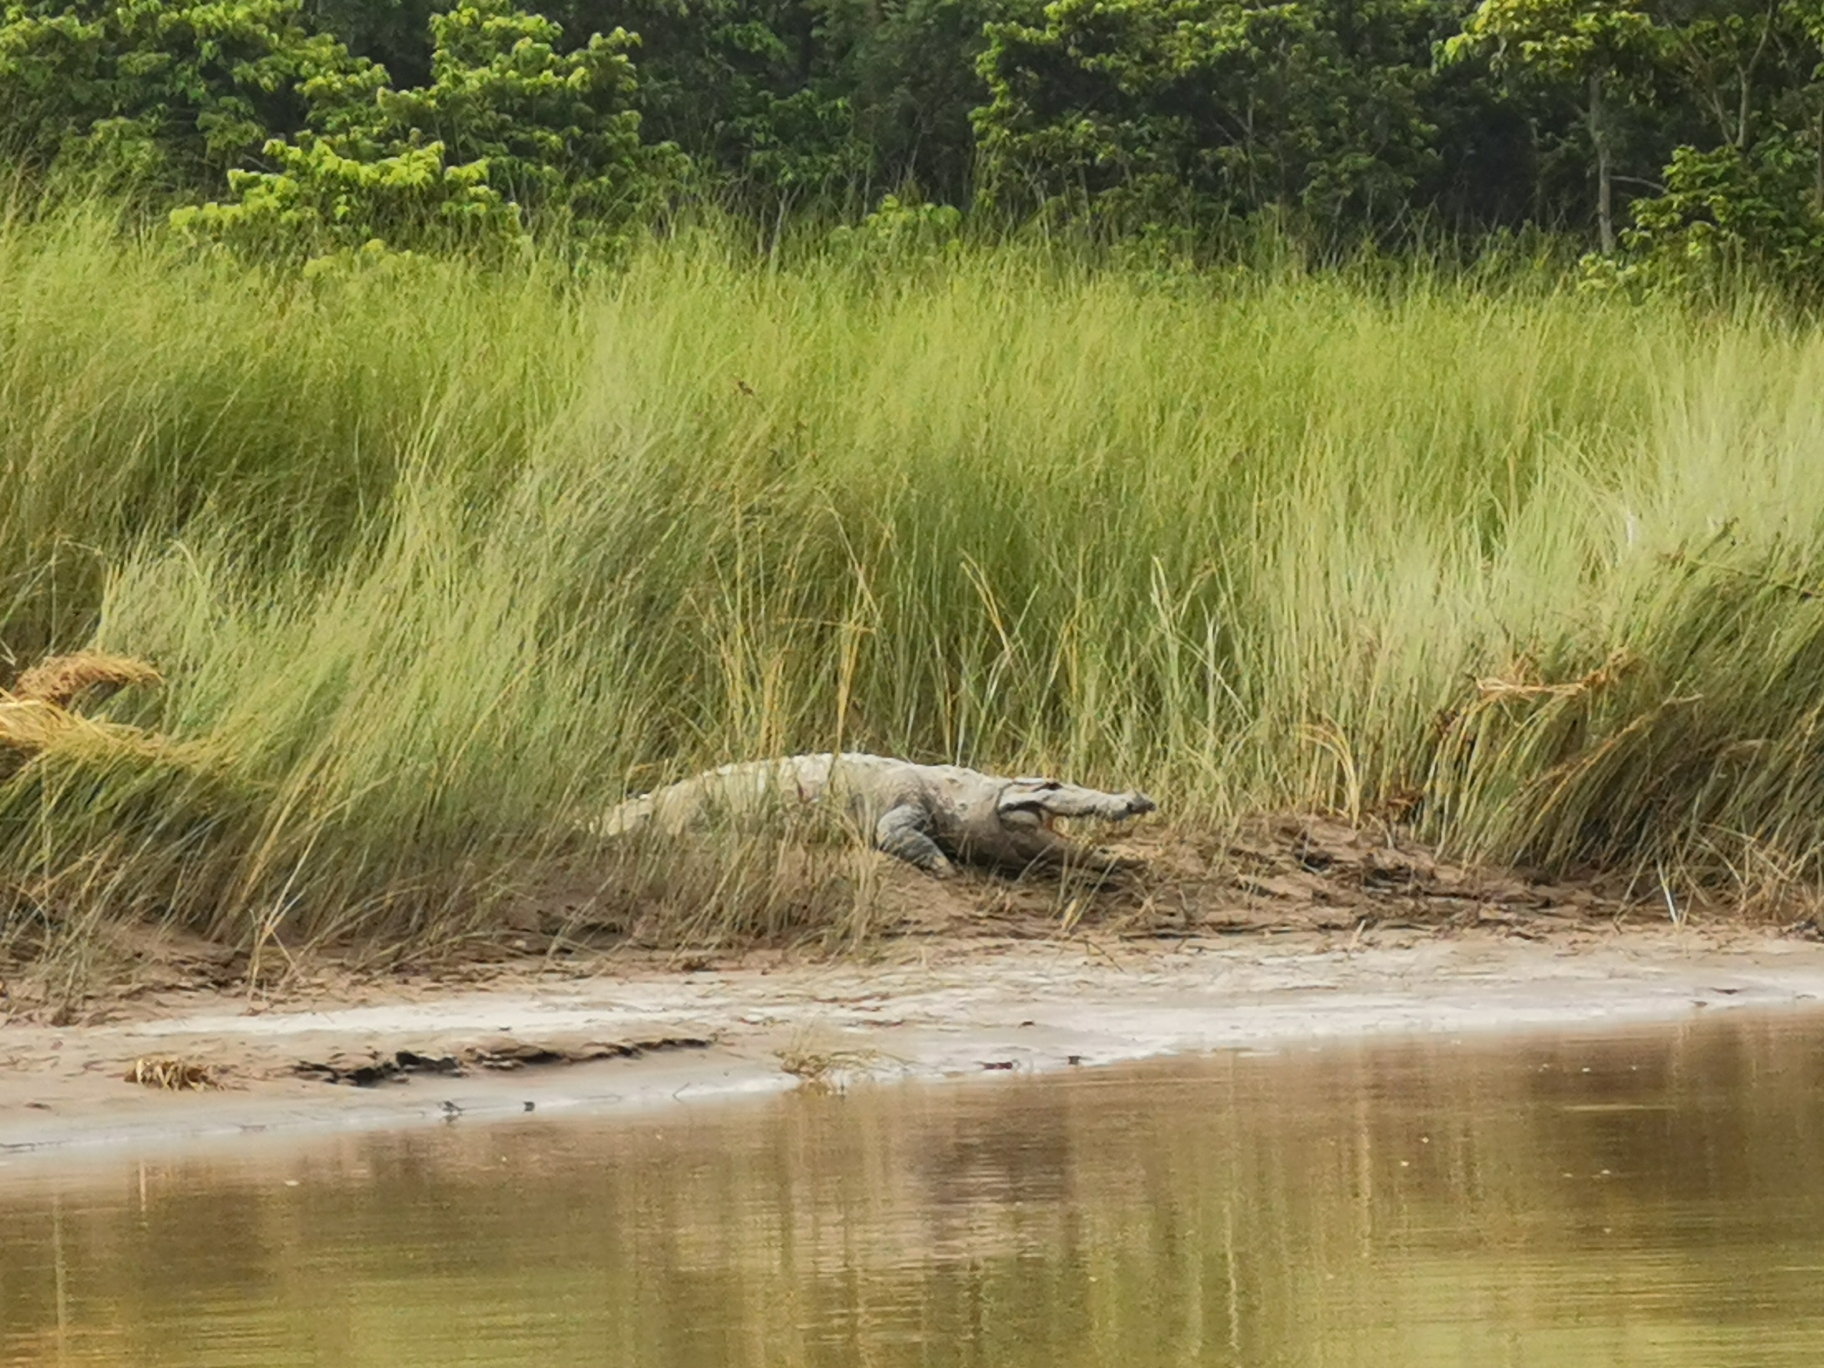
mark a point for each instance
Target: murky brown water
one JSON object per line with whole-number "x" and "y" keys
{"x": 1653, "y": 1200}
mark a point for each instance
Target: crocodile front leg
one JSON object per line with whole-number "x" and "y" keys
{"x": 904, "y": 832}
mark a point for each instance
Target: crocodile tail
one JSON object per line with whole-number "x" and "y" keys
{"x": 633, "y": 815}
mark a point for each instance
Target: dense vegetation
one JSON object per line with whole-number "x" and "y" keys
{"x": 439, "y": 557}
{"x": 1679, "y": 138}
{"x": 1395, "y": 406}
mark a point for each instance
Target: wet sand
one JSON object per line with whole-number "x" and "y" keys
{"x": 963, "y": 1010}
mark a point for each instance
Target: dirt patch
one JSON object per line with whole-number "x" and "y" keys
{"x": 1277, "y": 875}
{"x": 1320, "y": 874}
{"x": 637, "y": 1034}
{"x": 1288, "y": 928}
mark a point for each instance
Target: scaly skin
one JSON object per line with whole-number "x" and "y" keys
{"x": 931, "y": 816}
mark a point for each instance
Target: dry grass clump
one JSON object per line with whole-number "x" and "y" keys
{"x": 101, "y": 823}
{"x": 174, "y": 1075}
{"x": 1522, "y": 680}
{"x": 58, "y": 680}
{"x": 35, "y": 714}
{"x": 825, "y": 1069}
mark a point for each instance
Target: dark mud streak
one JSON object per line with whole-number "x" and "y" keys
{"x": 399, "y": 1066}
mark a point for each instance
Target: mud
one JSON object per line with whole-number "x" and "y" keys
{"x": 1289, "y": 932}
{"x": 636, "y": 1036}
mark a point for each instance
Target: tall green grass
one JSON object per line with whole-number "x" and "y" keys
{"x": 439, "y": 559}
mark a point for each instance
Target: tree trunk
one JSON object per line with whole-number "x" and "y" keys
{"x": 1605, "y": 190}
{"x": 1817, "y": 189}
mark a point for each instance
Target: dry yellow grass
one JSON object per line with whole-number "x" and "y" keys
{"x": 821, "y": 1069}
{"x": 35, "y": 716}
{"x": 174, "y": 1075}
{"x": 59, "y": 680}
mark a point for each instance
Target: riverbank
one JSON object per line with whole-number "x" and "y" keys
{"x": 618, "y": 1034}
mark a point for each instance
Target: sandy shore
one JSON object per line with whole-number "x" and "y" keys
{"x": 650, "y": 1036}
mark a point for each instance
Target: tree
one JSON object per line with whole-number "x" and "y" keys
{"x": 750, "y": 90}
{"x": 1601, "y": 48}
{"x": 394, "y": 33}
{"x": 1721, "y": 50}
{"x": 1126, "y": 109}
{"x": 1806, "y": 102}
{"x": 173, "y": 91}
{"x": 1724, "y": 214}
{"x": 1745, "y": 195}
{"x": 909, "y": 73}
{"x": 510, "y": 127}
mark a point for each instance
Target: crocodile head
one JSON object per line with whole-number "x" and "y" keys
{"x": 1026, "y": 811}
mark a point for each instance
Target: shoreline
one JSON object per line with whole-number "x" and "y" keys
{"x": 941, "y": 1011}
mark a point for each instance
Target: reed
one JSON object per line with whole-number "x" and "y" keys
{"x": 436, "y": 557}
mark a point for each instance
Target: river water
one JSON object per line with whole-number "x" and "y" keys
{"x": 1653, "y": 1198}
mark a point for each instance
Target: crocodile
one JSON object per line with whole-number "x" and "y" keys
{"x": 931, "y": 816}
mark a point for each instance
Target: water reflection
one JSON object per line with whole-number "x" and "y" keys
{"x": 1649, "y": 1201}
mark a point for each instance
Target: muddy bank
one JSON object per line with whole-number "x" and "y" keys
{"x": 620, "y": 1035}
{"x": 1287, "y": 930}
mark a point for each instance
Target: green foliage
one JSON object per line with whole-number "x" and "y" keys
{"x": 173, "y": 91}
{"x": 901, "y": 232}
{"x": 1191, "y": 128}
{"x": 1559, "y": 40}
{"x": 395, "y": 34}
{"x": 1186, "y": 125}
{"x": 509, "y": 126}
{"x": 553, "y": 127}
{"x": 1742, "y": 198}
{"x": 1726, "y": 216}
{"x": 1733, "y": 61}
{"x": 1129, "y": 110}
{"x": 1739, "y": 70}
{"x": 909, "y": 73}
{"x": 321, "y": 201}
{"x": 747, "y": 88}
